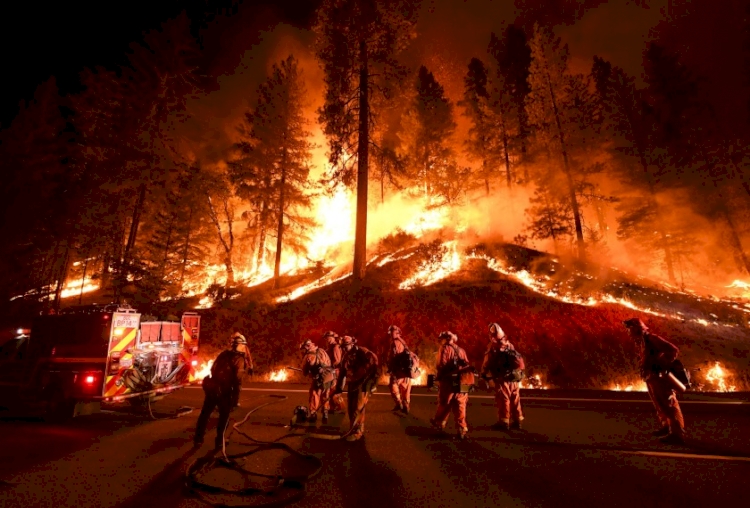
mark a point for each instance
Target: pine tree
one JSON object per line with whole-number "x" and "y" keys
{"x": 434, "y": 167}
{"x": 357, "y": 41}
{"x": 476, "y": 104}
{"x": 553, "y": 107}
{"x": 275, "y": 167}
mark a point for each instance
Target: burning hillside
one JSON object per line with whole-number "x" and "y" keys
{"x": 567, "y": 321}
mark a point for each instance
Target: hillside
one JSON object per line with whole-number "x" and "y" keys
{"x": 568, "y": 345}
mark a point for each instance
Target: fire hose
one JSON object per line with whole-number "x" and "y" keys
{"x": 198, "y": 469}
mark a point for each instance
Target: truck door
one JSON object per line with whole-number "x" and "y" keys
{"x": 122, "y": 344}
{"x": 190, "y": 325}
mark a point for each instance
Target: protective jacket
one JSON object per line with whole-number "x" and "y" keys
{"x": 227, "y": 372}
{"x": 400, "y": 359}
{"x": 657, "y": 354}
{"x": 359, "y": 368}
{"x": 317, "y": 365}
{"x": 453, "y": 368}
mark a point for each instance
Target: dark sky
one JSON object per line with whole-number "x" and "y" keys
{"x": 43, "y": 39}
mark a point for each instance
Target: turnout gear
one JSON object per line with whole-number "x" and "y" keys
{"x": 503, "y": 365}
{"x": 657, "y": 357}
{"x": 335, "y": 354}
{"x": 317, "y": 365}
{"x": 359, "y": 369}
{"x": 402, "y": 366}
{"x": 455, "y": 376}
{"x": 222, "y": 391}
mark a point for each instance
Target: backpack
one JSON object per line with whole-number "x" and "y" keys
{"x": 507, "y": 365}
{"x": 405, "y": 364}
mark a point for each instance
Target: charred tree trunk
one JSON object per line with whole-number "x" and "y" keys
{"x": 83, "y": 277}
{"x": 134, "y": 224}
{"x": 280, "y": 226}
{"x": 262, "y": 218}
{"x": 63, "y": 275}
{"x": 228, "y": 243}
{"x": 505, "y": 153}
{"x": 186, "y": 248}
{"x": 360, "y": 233}
{"x": 568, "y": 174}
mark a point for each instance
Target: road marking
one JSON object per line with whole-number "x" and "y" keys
{"x": 492, "y": 397}
{"x": 676, "y": 455}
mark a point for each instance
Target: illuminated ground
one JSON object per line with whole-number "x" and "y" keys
{"x": 571, "y": 453}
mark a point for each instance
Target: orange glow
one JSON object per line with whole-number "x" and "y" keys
{"x": 534, "y": 382}
{"x": 716, "y": 376}
{"x": 432, "y": 272}
{"x": 638, "y": 386}
{"x": 278, "y": 375}
{"x": 204, "y": 370}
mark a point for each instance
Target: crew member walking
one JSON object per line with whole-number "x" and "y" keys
{"x": 222, "y": 389}
{"x": 240, "y": 343}
{"x": 503, "y": 367}
{"x": 399, "y": 368}
{"x": 657, "y": 354}
{"x": 359, "y": 369}
{"x": 336, "y": 355}
{"x": 317, "y": 365}
{"x": 455, "y": 376}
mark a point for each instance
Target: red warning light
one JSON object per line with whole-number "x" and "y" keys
{"x": 90, "y": 379}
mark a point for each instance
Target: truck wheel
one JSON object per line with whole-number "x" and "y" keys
{"x": 59, "y": 408}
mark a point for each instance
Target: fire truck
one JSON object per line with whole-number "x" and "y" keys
{"x": 71, "y": 362}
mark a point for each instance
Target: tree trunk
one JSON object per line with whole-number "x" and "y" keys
{"x": 360, "y": 234}
{"x": 740, "y": 255}
{"x": 280, "y": 227}
{"x": 186, "y": 248}
{"x": 83, "y": 277}
{"x": 505, "y": 152}
{"x": 62, "y": 277}
{"x": 134, "y": 223}
{"x": 568, "y": 175}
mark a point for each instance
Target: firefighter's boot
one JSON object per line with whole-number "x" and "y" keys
{"x": 397, "y": 407}
{"x": 662, "y": 432}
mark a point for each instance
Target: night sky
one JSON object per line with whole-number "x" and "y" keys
{"x": 61, "y": 38}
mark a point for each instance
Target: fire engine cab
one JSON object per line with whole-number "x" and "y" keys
{"x": 70, "y": 362}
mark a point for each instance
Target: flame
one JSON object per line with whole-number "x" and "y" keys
{"x": 716, "y": 376}
{"x": 205, "y": 303}
{"x": 204, "y": 370}
{"x": 334, "y": 214}
{"x": 278, "y": 375}
{"x": 432, "y": 272}
{"x": 639, "y": 386}
{"x": 534, "y": 382}
{"x": 421, "y": 380}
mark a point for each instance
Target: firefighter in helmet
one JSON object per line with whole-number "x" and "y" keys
{"x": 503, "y": 368}
{"x": 238, "y": 342}
{"x": 399, "y": 368}
{"x": 456, "y": 376}
{"x": 335, "y": 354}
{"x": 657, "y": 354}
{"x": 359, "y": 369}
{"x": 222, "y": 389}
{"x": 317, "y": 365}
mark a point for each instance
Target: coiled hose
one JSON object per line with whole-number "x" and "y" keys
{"x": 198, "y": 469}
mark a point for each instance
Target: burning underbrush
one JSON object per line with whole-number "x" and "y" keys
{"x": 566, "y": 320}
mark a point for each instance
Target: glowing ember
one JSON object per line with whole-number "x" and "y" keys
{"x": 278, "y": 375}
{"x": 716, "y": 376}
{"x": 433, "y": 271}
{"x": 204, "y": 370}
{"x": 639, "y": 386}
{"x": 534, "y": 382}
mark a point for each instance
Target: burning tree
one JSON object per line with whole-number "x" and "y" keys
{"x": 553, "y": 104}
{"x": 273, "y": 169}
{"x": 357, "y": 41}
{"x": 431, "y": 125}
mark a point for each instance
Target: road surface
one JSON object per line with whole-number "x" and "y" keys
{"x": 576, "y": 449}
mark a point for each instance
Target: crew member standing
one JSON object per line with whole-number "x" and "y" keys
{"x": 455, "y": 376}
{"x": 657, "y": 354}
{"x": 317, "y": 365}
{"x": 335, "y": 354}
{"x": 222, "y": 389}
{"x": 399, "y": 367}
{"x": 359, "y": 369}
{"x": 239, "y": 343}
{"x": 503, "y": 366}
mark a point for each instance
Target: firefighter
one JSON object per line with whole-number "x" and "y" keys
{"x": 455, "y": 376}
{"x": 657, "y": 354}
{"x": 239, "y": 343}
{"x": 222, "y": 389}
{"x": 502, "y": 366}
{"x": 317, "y": 365}
{"x": 359, "y": 369}
{"x": 335, "y": 354}
{"x": 399, "y": 368}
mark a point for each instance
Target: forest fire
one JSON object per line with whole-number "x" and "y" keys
{"x": 278, "y": 375}
{"x": 638, "y": 386}
{"x": 204, "y": 370}
{"x": 434, "y": 270}
{"x": 716, "y": 376}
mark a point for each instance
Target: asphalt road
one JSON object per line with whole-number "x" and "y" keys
{"x": 576, "y": 449}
